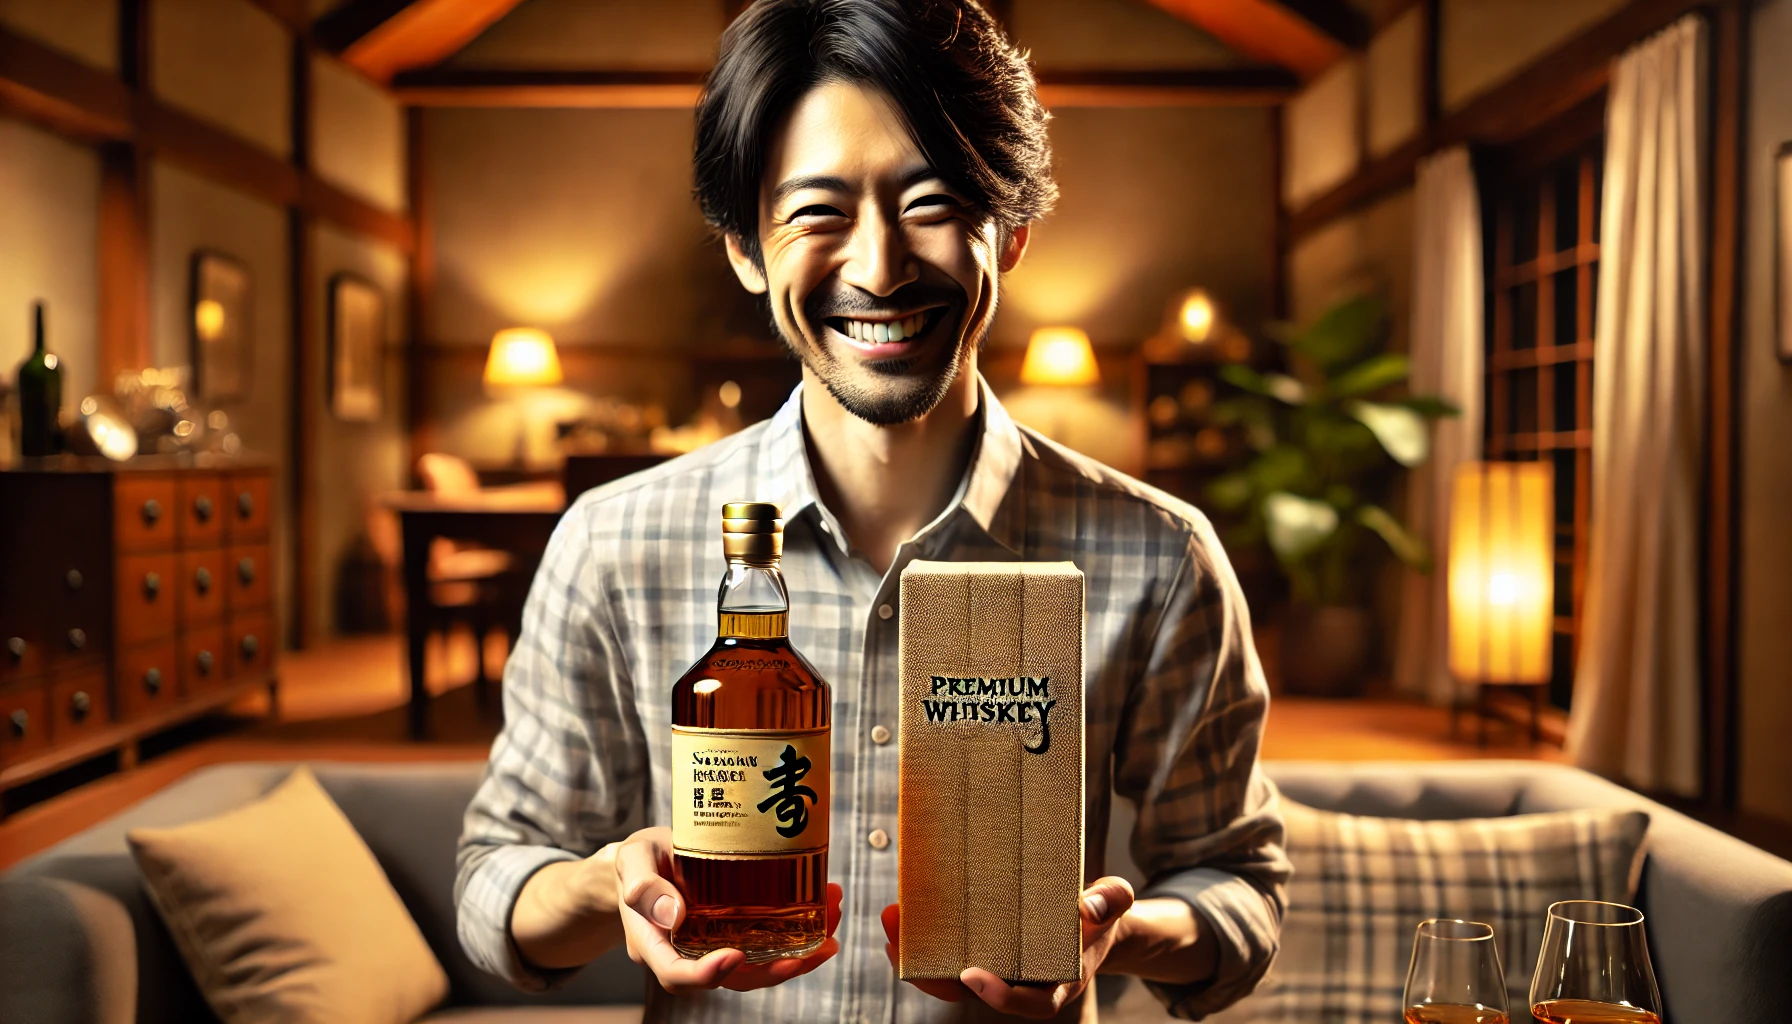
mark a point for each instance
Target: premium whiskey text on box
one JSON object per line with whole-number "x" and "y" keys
{"x": 990, "y": 840}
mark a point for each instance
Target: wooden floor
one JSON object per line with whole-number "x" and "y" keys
{"x": 345, "y": 701}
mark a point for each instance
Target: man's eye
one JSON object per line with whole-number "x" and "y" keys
{"x": 816, "y": 210}
{"x": 935, "y": 203}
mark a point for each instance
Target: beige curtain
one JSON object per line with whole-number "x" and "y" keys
{"x": 1636, "y": 687}
{"x": 1446, "y": 360}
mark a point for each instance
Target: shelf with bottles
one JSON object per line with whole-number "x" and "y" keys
{"x": 1185, "y": 445}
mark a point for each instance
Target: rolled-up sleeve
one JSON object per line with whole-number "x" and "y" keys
{"x": 1208, "y": 830}
{"x": 570, "y": 762}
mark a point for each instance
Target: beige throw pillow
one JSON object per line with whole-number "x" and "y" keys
{"x": 1361, "y": 886}
{"x": 283, "y": 914}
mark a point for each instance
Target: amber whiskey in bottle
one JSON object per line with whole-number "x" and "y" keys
{"x": 750, "y": 747}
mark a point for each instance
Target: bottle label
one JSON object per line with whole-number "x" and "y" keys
{"x": 749, "y": 792}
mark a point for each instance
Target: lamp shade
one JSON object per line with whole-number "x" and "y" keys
{"x": 1502, "y": 572}
{"x": 523, "y": 356}
{"x": 1059, "y": 356}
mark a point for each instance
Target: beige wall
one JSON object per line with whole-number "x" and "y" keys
{"x": 357, "y": 135}
{"x": 188, "y": 213}
{"x": 229, "y": 62}
{"x": 1483, "y": 42}
{"x": 1765, "y": 612}
{"x": 1321, "y": 133}
{"x": 353, "y": 463}
{"x": 84, "y": 29}
{"x": 49, "y": 223}
{"x": 611, "y": 34}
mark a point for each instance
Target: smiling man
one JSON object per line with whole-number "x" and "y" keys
{"x": 874, "y": 167}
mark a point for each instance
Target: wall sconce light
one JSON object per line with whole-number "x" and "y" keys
{"x": 1502, "y": 578}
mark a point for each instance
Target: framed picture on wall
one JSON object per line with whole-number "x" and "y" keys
{"x": 220, "y": 326}
{"x": 1782, "y": 284}
{"x": 357, "y": 342}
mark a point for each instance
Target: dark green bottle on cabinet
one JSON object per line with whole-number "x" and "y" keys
{"x": 40, "y": 396}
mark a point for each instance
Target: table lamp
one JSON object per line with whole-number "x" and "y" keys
{"x": 521, "y": 358}
{"x": 1501, "y": 579}
{"x": 1059, "y": 357}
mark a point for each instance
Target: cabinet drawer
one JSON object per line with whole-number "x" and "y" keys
{"x": 21, "y": 654}
{"x": 201, "y": 509}
{"x": 251, "y": 645}
{"x": 202, "y": 585}
{"x": 146, "y": 597}
{"x": 248, "y": 572}
{"x": 147, "y": 679}
{"x": 24, "y": 722}
{"x": 78, "y": 595}
{"x": 79, "y": 705}
{"x": 248, "y": 500}
{"x": 143, "y": 512}
{"x": 202, "y": 656}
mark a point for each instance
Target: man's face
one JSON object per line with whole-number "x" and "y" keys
{"x": 881, "y": 276}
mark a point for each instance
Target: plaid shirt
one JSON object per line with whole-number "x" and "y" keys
{"x": 624, "y": 603}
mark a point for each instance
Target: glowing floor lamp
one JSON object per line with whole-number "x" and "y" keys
{"x": 1502, "y": 580}
{"x": 1059, "y": 357}
{"x": 522, "y": 358}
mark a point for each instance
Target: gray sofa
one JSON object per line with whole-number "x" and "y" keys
{"x": 80, "y": 944}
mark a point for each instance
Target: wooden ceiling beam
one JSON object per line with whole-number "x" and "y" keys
{"x": 382, "y": 38}
{"x": 1304, "y": 36}
{"x": 470, "y": 87}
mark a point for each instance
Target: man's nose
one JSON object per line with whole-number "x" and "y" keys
{"x": 878, "y": 259}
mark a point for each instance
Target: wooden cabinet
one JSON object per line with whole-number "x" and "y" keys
{"x": 133, "y": 597}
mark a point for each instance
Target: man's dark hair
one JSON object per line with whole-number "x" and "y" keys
{"x": 965, "y": 91}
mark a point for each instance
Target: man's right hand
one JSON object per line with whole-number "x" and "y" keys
{"x": 651, "y": 908}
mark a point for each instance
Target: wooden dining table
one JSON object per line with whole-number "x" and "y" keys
{"x": 516, "y": 520}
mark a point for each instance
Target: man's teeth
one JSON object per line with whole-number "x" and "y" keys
{"x": 876, "y": 332}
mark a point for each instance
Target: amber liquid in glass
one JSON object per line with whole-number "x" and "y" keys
{"x": 1586, "y": 1011}
{"x": 766, "y": 906}
{"x": 1446, "y": 1013}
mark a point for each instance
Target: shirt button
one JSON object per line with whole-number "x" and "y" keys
{"x": 884, "y": 611}
{"x": 880, "y": 734}
{"x": 825, "y": 528}
{"x": 878, "y": 839}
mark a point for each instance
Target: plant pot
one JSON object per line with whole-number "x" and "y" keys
{"x": 1325, "y": 650}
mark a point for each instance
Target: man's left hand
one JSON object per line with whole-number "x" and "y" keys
{"x": 1102, "y": 907}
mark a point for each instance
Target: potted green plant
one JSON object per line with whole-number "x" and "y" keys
{"x": 1327, "y": 446}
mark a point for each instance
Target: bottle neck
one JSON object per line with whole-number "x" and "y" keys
{"x": 37, "y": 328}
{"x": 753, "y": 603}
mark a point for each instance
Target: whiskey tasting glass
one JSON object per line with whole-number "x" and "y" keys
{"x": 1594, "y": 967}
{"x": 1455, "y": 977}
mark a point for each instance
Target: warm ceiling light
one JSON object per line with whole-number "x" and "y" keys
{"x": 1059, "y": 356}
{"x": 523, "y": 356}
{"x": 1502, "y": 572}
{"x": 1195, "y": 317}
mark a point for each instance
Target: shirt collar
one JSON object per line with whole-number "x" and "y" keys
{"x": 788, "y": 479}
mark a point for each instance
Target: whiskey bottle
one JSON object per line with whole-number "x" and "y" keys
{"x": 750, "y": 746}
{"x": 40, "y": 395}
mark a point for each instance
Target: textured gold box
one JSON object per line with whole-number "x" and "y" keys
{"x": 991, "y": 818}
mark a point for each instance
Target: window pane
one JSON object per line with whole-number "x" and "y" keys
{"x": 1524, "y": 316}
{"x": 1593, "y": 298}
{"x": 1567, "y": 181}
{"x": 1525, "y": 212}
{"x": 1567, "y": 291}
{"x": 1598, "y": 191}
{"x": 1561, "y": 682}
{"x": 1566, "y": 383}
{"x": 1564, "y": 484}
{"x": 1524, "y": 400}
{"x": 1564, "y": 585}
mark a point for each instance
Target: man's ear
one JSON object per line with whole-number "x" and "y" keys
{"x": 1015, "y": 249}
{"x": 751, "y": 277}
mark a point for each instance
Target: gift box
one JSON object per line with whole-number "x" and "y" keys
{"x": 990, "y": 840}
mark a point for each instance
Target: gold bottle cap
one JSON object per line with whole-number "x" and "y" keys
{"x": 752, "y": 531}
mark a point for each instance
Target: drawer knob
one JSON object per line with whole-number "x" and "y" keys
{"x": 202, "y": 580}
{"x": 152, "y": 512}
{"x": 251, "y": 647}
{"x": 205, "y": 663}
{"x": 152, "y": 681}
{"x": 152, "y": 585}
{"x": 21, "y": 722}
{"x": 80, "y": 705}
{"x": 77, "y": 639}
{"x": 202, "y": 509}
{"x": 75, "y": 579}
{"x": 245, "y": 570}
{"x": 245, "y": 505}
{"x": 15, "y": 648}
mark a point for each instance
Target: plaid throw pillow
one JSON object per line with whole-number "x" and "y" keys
{"x": 1362, "y": 885}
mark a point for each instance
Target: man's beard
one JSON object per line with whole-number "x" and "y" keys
{"x": 888, "y": 391}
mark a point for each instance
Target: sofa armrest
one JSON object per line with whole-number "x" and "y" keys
{"x": 68, "y": 954}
